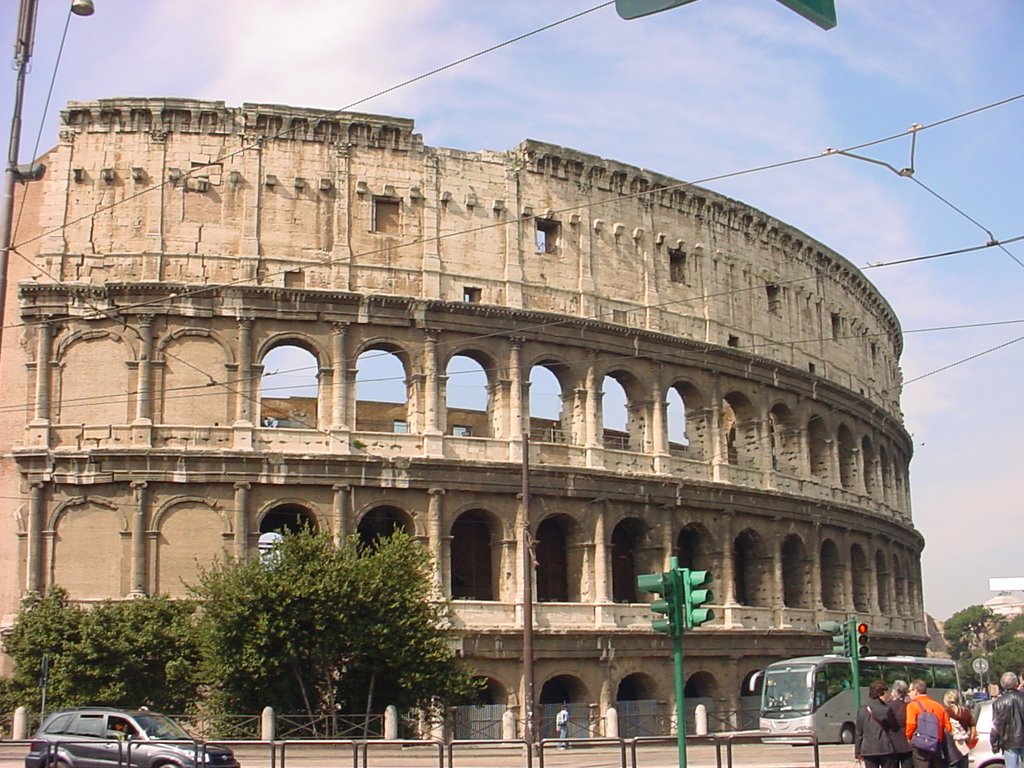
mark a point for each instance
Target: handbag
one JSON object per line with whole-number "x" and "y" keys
{"x": 960, "y": 736}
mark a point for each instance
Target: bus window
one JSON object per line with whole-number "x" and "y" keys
{"x": 945, "y": 677}
{"x": 869, "y": 672}
{"x": 839, "y": 677}
{"x": 920, "y": 672}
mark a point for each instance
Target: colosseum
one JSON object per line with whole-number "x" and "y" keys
{"x": 689, "y": 376}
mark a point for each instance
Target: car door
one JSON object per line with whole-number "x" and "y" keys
{"x": 85, "y": 741}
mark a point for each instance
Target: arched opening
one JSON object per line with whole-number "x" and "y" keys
{"x": 742, "y": 446}
{"x": 640, "y": 712}
{"x": 289, "y": 388}
{"x": 565, "y": 690}
{"x": 700, "y": 688}
{"x": 554, "y": 566}
{"x": 287, "y": 517}
{"x": 783, "y": 441}
{"x": 847, "y": 457}
{"x": 882, "y": 581}
{"x": 861, "y": 584}
{"x": 482, "y": 718}
{"x": 381, "y": 522}
{"x": 900, "y": 582}
{"x": 467, "y": 395}
{"x": 818, "y": 444}
{"x": 831, "y": 576}
{"x": 750, "y": 700}
{"x": 869, "y": 462}
{"x": 796, "y": 573}
{"x": 622, "y": 418}
{"x": 550, "y": 419}
{"x": 382, "y": 398}
{"x": 750, "y": 565}
{"x": 472, "y": 568}
{"x": 693, "y": 548}
{"x": 626, "y": 538}
{"x": 885, "y": 473}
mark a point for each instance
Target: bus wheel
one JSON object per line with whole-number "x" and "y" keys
{"x": 846, "y": 735}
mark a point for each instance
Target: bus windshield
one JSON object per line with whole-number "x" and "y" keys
{"x": 788, "y": 689}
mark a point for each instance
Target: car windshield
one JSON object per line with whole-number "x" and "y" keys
{"x": 161, "y": 727}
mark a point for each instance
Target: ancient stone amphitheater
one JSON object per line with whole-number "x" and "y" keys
{"x": 721, "y": 388}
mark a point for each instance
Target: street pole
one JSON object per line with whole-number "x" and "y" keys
{"x": 528, "y": 714}
{"x": 680, "y": 700}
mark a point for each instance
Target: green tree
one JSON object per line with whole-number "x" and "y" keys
{"x": 1008, "y": 657}
{"x": 125, "y": 653}
{"x": 973, "y": 631}
{"x": 325, "y": 629}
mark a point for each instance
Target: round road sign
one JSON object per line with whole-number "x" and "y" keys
{"x": 980, "y": 665}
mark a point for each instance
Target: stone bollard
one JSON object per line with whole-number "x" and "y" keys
{"x": 19, "y": 728}
{"x": 508, "y": 725}
{"x": 611, "y": 723}
{"x": 391, "y": 722}
{"x": 267, "y": 724}
{"x": 700, "y": 715}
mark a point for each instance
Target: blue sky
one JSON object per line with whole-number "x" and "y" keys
{"x": 702, "y": 91}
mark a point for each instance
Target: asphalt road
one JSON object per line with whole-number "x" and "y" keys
{"x": 319, "y": 755}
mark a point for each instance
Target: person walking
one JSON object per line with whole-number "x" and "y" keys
{"x": 927, "y": 726}
{"x": 875, "y": 726}
{"x": 562, "y": 726}
{"x": 1007, "y": 733}
{"x": 962, "y": 722}
{"x": 903, "y": 755}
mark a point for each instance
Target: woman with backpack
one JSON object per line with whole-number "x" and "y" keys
{"x": 875, "y": 726}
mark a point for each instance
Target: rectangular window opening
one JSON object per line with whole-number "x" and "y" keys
{"x": 811, "y": 368}
{"x": 472, "y": 295}
{"x": 677, "y": 266}
{"x": 874, "y": 352}
{"x": 547, "y": 235}
{"x": 774, "y": 295}
{"x": 386, "y": 212}
{"x": 399, "y": 426}
{"x": 734, "y": 341}
{"x": 459, "y": 430}
{"x": 837, "y": 326}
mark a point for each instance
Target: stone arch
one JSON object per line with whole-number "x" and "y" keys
{"x": 701, "y": 685}
{"x": 88, "y": 399}
{"x": 303, "y": 341}
{"x": 469, "y": 377}
{"x": 687, "y": 420}
{"x": 191, "y": 534}
{"x": 382, "y": 520}
{"x": 870, "y": 463}
{"x": 287, "y": 515}
{"x": 796, "y": 573}
{"x": 739, "y": 430}
{"x": 751, "y": 583}
{"x": 693, "y": 547}
{"x": 289, "y": 387}
{"x": 625, "y": 541}
{"x": 831, "y": 566}
{"x": 92, "y": 531}
{"x": 559, "y": 565}
{"x": 899, "y": 574}
{"x": 819, "y": 448}
{"x": 861, "y": 579}
{"x": 636, "y": 686}
{"x": 883, "y": 578}
{"x": 632, "y": 433}
{"x": 550, "y": 408}
{"x": 490, "y": 690}
{"x": 848, "y": 450}
{"x": 188, "y": 392}
{"x": 384, "y": 388}
{"x": 884, "y": 473}
{"x": 474, "y": 556}
{"x": 571, "y": 691}
{"x": 784, "y": 441}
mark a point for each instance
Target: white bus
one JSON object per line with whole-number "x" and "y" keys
{"x": 814, "y": 694}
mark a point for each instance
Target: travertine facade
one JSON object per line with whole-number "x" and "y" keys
{"x": 173, "y": 244}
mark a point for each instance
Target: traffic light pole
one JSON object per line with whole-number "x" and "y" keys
{"x": 677, "y": 645}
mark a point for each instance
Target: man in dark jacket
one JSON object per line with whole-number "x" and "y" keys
{"x": 1007, "y": 732}
{"x": 903, "y": 758}
{"x": 875, "y": 725}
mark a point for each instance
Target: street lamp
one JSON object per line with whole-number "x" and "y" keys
{"x": 23, "y": 40}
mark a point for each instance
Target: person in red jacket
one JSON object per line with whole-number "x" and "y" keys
{"x": 920, "y": 702}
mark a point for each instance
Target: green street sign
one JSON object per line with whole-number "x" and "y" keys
{"x": 634, "y": 9}
{"x": 820, "y": 12}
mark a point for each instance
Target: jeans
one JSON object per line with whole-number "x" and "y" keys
{"x": 1013, "y": 757}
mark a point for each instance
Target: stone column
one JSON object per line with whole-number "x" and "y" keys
{"x": 34, "y": 561}
{"x": 44, "y": 352}
{"x": 592, "y": 408}
{"x": 600, "y": 552}
{"x": 728, "y": 565}
{"x": 659, "y": 424}
{"x": 873, "y": 604}
{"x": 242, "y": 521}
{"x": 339, "y": 380}
{"x": 518, "y": 422}
{"x": 778, "y": 585}
{"x": 144, "y": 401}
{"x": 814, "y": 552}
{"x": 719, "y": 452}
{"x": 244, "y": 405}
{"x": 342, "y": 504}
{"x": 846, "y": 562}
{"x": 438, "y": 544}
{"x": 430, "y": 394}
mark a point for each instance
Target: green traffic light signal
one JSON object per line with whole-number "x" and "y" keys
{"x": 664, "y": 584}
{"x": 695, "y": 585}
{"x": 840, "y": 636}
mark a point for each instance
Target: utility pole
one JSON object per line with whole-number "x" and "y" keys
{"x": 529, "y": 723}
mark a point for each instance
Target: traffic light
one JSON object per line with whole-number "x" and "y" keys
{"x": 840, "y": 636}
{"x": 669, "y": 586}
{"x": 863, "y": 641}
{"x": 695, "y": 585}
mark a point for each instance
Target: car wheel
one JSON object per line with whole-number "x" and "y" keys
{"x": 846, "y": 735}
